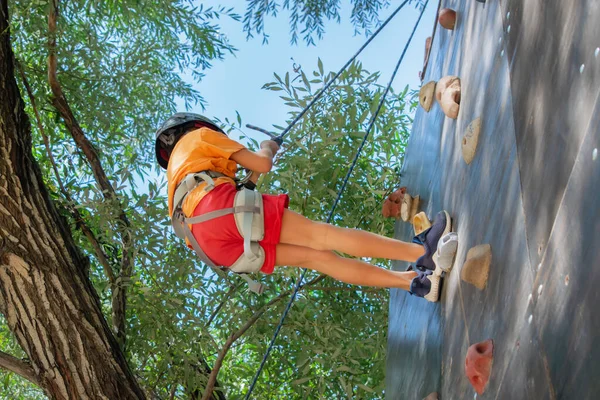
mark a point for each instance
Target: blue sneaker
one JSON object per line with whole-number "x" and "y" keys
{"x": 438, "y": 235}
{"x": 426, "y": 285}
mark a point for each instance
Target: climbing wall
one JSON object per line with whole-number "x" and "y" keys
{"x": 531, "y": 71}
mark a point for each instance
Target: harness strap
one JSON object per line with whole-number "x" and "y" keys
{"x": 248, "y": 210}
{"x": 247, "y": 219}
{"x": 222, "y": 212}
{"x": 201, "y": 254}
{"x": 253, "y": 285}
{"x": 191, "y": 181}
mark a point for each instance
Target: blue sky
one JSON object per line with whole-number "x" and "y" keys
{"x": 235, "y": 82}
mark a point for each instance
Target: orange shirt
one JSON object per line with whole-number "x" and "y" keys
{"x": 200, "y": 150}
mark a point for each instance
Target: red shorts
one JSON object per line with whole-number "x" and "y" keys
{"x": 220, "y": 238}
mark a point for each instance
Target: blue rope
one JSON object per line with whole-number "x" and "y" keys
{"x": 320, "y": 93}
{"x": 337, "y": 200}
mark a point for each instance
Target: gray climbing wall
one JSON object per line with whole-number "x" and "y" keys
{"x": 531, "y": 71}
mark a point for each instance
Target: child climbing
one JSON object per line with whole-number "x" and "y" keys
{"x": 243, "y": 231}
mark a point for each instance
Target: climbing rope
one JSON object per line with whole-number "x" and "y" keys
{"x": 344, "y": 184}
{"x": 320, "y": 93}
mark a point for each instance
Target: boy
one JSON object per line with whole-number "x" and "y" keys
{"x": 190, "y": 145}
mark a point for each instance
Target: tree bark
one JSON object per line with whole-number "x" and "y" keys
{"x": 48, "y": 301}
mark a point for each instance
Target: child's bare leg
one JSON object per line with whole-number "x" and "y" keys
{"x": 347, "y": 270}
{"x": 301, "y": 231}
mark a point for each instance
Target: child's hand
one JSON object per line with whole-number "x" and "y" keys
{"x": 271, "y": 145}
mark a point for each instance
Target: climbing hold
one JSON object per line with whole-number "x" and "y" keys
{"x": 478, "y": 364}
{"x": 470, "y": 140}
{"x": 421, "y": 222}
{"x": 426, "y": 59}
{"x": 391, "y": 206}
{"x": 447, "y": 93}
{"x": 447, "y": 18}
{"x": 432, "y": 396}
{"x": 477, "y": 267}
{"x": 410, "y": 206}
{"x": 480, "y": 1}
{"x": 426, "y": 95}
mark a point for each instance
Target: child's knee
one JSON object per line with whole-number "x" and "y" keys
{"x": 320, "y": 257}
{"x": 320, "y": 235}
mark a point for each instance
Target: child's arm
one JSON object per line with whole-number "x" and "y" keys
{"x": 259, "y": 162}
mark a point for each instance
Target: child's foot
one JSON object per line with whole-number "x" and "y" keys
{"x": 426, "y": 285}
{"x": 430, "y": 239}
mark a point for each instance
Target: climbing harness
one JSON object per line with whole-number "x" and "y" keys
{"x": 247, "y": 207}
{"x": 248, "y": 213}
{"x": 344, "y": 184}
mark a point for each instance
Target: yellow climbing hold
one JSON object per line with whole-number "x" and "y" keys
{"x": 410, "y": 206}
{"x": 477, "y": 267}
{"x": 426, "y": 95}
{"x": 470, "y": 140}
{"x": 421, "y": 222}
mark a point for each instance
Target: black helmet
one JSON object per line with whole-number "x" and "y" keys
{"x": 167, "y": 134}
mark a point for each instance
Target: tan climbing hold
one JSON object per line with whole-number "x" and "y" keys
{"x": 421, "y": 222}
{"x": 426, "y": 95}
{"x": 447, "y": 93}
{"x": 477, "y": 267}
{"x": 432, "y": 396}
{"x": 410, "y": 206}
{"x": 426, "y": 60}
{"x": 470, "y": 140}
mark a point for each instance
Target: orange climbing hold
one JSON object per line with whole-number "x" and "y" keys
{"x": 478, "y": 364}
{"x": 447, "y": 18}
{"x": 391, "y": 206}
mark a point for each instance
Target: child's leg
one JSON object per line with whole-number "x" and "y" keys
{"x": 347, "y": 270}
{"x": 301, "y": 231}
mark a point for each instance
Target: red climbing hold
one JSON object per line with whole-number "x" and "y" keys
{"x": 478, "y": 364}
{"x": 391, "y": 206}
{"x": 447, "y": 18}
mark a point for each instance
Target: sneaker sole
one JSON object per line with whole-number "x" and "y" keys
{"x": 436, "y": 287}
{"x": 449, "y": 246}
{"x": 448, "y": 224}
{"x": 439, "y": 269}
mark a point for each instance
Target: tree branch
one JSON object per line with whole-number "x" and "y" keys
{"x": 212, "y": 379}
{"x": 20, "y": 367}
{"x": 59, "y": 101}
{"x": 79, "y": 221}
{"x": 228, "y": 295}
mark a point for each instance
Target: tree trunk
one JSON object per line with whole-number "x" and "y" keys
{"x": 45, "y": 294}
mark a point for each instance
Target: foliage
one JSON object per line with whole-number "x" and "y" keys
{"x": 119, "y": 65}
{"x": 308, "y": 17}
{"x": 343, "y": 326}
